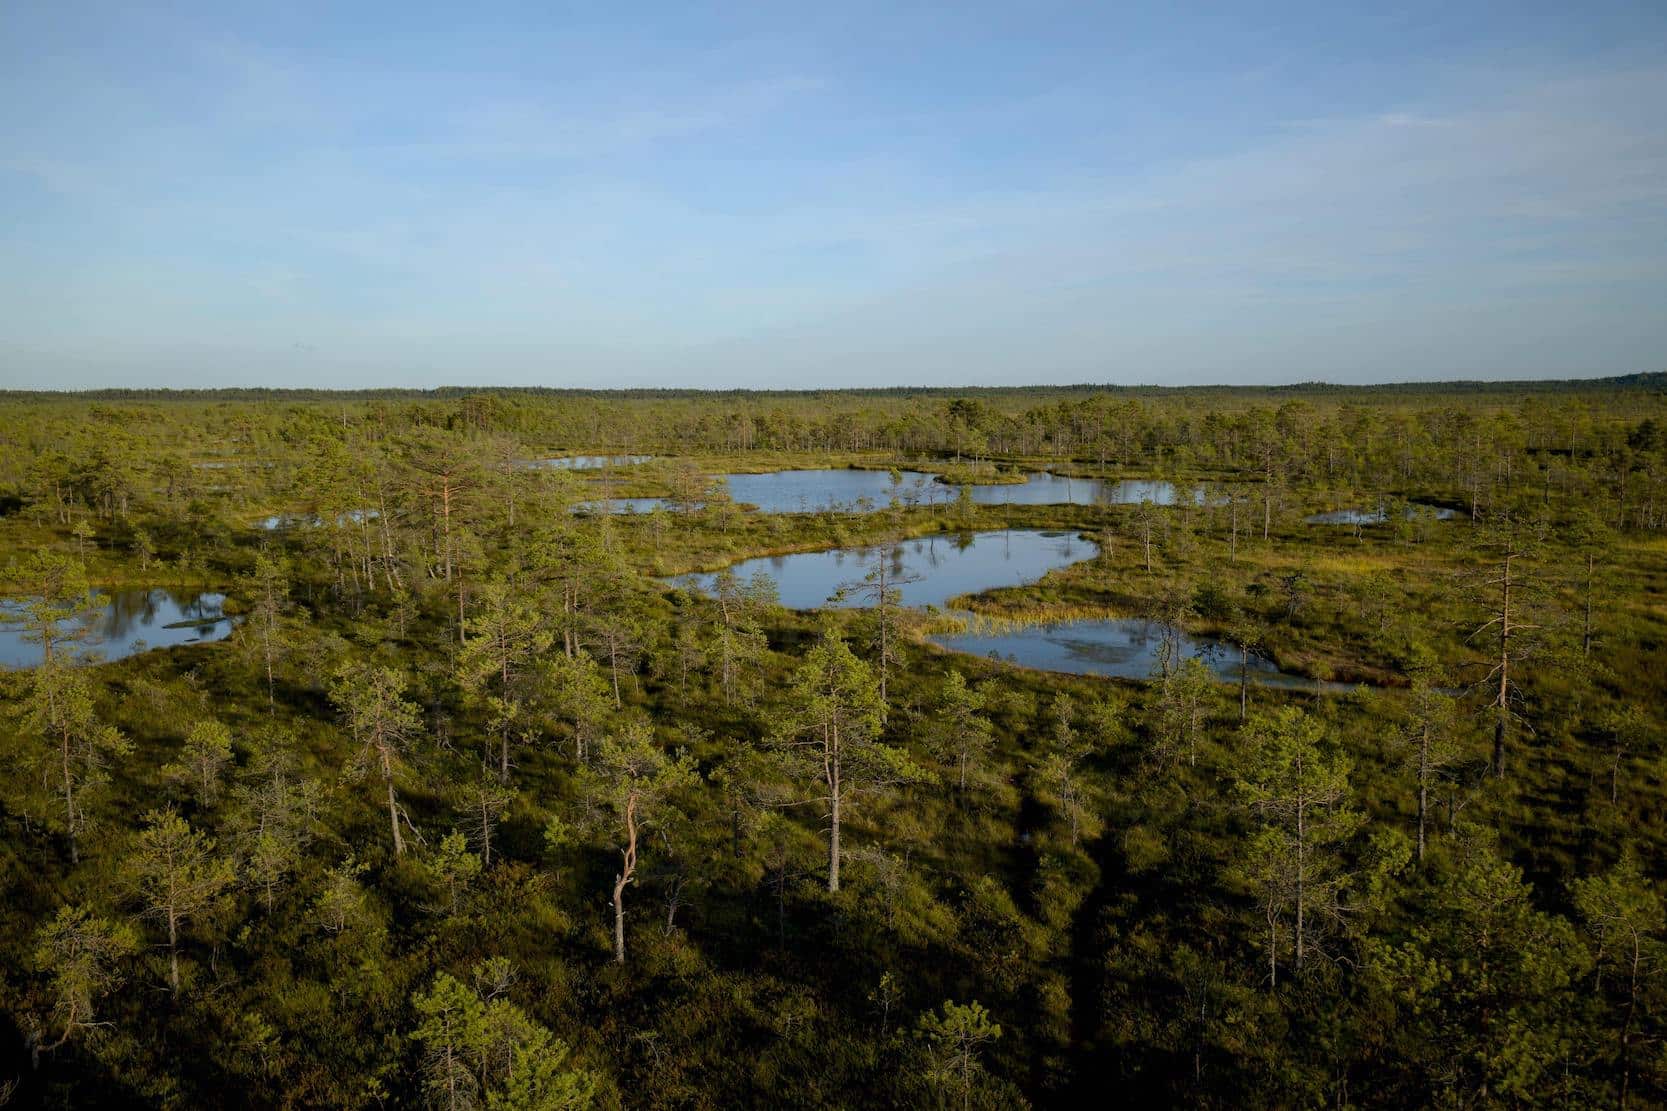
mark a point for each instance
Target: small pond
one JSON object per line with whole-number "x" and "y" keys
{"x": 130, "y": 621}
{"x": 813, "y": 491}
{"x": 945, "y": 565}
{"x": 290, "y": 520}
{"x": 1123, "y": 649}
{"x": 1053, "y": 489}
{"x": 1379, "y": 515}
{"x": 948, "y": 565}
{"x": 810, "y": 491}
{"x": 621, "y": 505}
{"x": 589, "y": 462}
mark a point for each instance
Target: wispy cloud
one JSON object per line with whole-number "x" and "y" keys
{"x": 543, "y": 129}
{"x": 747, "y": 208}
{"x": 1531, "y": 189}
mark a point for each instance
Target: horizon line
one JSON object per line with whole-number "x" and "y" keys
{"x": 1636, "y": 379}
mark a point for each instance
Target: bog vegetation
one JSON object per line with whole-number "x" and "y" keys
{"x": 476, "y": 807}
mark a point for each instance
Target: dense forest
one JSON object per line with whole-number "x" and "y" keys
{"x": 472, "y": 798}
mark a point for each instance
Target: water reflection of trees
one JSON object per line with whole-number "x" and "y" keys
{"x": 128, "y": 612}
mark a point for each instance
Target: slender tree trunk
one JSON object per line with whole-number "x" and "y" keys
{"x": 445, "y": 518}
{"x": 623, "y": 877}
{"x": 271, "y": 698}
{"x": 390, "y": 566}
{"x": 833, "y": 807}
{"x": 393, "y": 808}
{"x": 1423, "y": 788}
{"x": 69, "y": 797}
{"x": 885, "y": 658}
{"x": 567, "y": 618}
{"x": 461, "y": 615}
{"x": 1502, "y": 700}
{"x": 451, "y": 1076}
{"x": 1244, "y": 681}
{"x": 1302, "y": 876}
{"x": 173, "y": 950}
{"x": 1273, "y": 946}
{"x": 1626, "y": 1024}
{"x": 725, "y": 663}
{"x": 1586, "y": 635}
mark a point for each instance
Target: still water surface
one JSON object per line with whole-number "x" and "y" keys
{"x": 589, "y": 462}
{"x": 943, "y": 565}
{"x": 130, "y": 621}
{"x": 1379, "y": 515}
{"x": 1125, "y": 648}
{"x": 1053, "y": 489}
{"x": 948, "y": 566}
{"x": 811, "y": 491}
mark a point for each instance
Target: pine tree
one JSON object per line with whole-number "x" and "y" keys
{"x": 958, "y": 732}
{"x": 81, "y": 955}
{"x": 202, "y": 760}
{"x": 176, "y": 876}
{"x": 382, "y": 724}
{"x": 1626, "y": 916}
{"x": 1296, "y": 788}
{"x": 955, "y": 1035}
{"x": 631, "y": 783}
{"x": 500, "y": 642}
{"x": 829, "y": 735}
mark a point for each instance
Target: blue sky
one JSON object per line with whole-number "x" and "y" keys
{"x": 851, "y": 194}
